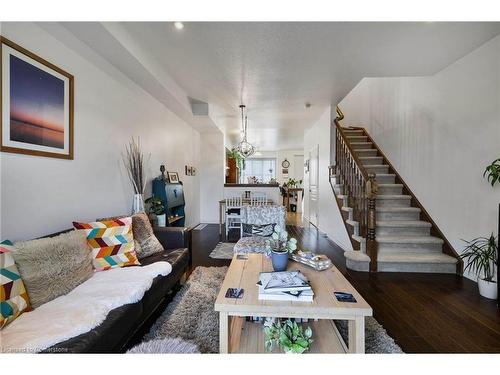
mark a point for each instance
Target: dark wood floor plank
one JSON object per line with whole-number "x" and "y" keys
{"x": 424, "y": 313}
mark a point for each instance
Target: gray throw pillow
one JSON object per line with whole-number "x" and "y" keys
{"x": 52, "y": 267}
{"x": 264, "y": 230}
{"x": 145, "y": 241}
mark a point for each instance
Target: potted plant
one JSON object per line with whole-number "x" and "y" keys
{"x": 289, "y": 336}
{"x": 493, "y": 173}
{"x": 240, "y": 160}
{"x": 481, "y": 257}
{"x": 278, "y": 247}
{"x": 156, "y": 207}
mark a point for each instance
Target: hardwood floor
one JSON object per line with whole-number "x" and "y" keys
{"x": 424, "y": 313}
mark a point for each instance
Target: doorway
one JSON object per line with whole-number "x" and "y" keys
{"x": 313, "y": 185}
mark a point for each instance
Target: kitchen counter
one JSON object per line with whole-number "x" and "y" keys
{"x": 252, "y": 185}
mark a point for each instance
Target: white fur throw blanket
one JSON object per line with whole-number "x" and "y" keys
{"x": 82, "y": 309}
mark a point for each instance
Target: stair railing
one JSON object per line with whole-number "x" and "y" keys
{"x": 359, "y": 186}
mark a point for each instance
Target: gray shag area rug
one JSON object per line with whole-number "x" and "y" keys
{"x": 191, "y": 317}
{"x": 223, "y": 250}
{"x": 164, "y": 346}
{"x": 377, "y": 341}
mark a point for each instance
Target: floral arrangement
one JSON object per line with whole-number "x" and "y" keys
{"x": 280, "y": 243}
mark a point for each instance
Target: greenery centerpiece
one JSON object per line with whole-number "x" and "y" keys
{"x": 236, "y": 155}
{"x": 292, "y": 183}
{"x": 157, "y": 208}
{"x": 481, "y": 257}
{"x": 287, "y": 335}
{"x": 278, "y": 246}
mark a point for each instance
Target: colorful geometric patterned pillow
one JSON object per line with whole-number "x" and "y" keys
{"x": 13, "y": 296}
{"x": 112, "y": 243}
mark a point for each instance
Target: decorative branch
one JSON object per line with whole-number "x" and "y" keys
{"x": 133, "y": 160}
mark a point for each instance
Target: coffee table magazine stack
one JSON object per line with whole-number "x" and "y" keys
{"x": 240, "y": 336}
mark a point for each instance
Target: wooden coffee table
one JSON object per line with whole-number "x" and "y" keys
{"x": 239, "y": 336}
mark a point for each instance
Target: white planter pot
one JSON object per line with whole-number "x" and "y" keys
{"x": 162, "y": 220}
{"x": 487, "y": 289}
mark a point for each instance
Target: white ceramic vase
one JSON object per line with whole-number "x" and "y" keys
{"x": 162, "y": 220}
{"x": 137, "y": 204}
{"x": 487, "y": 289}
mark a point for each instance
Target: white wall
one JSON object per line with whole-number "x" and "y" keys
{"x": 212, "y": 175}
{"x": 440, "y": 133}
{"x": 280, "y": 156}
{"x": 329, "y": 218}
{"x": 295, "y": 172}
{"x": 42, "y": 195}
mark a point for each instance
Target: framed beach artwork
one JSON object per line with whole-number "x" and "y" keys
{"x": 36, "y": 104}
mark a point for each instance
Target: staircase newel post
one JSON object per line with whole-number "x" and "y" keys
{"x": 371, "y": 243}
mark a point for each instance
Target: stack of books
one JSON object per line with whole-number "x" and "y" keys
{"x": 284, "y": 286}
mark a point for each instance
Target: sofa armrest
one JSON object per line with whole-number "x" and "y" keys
{"x": 172, "y": 237}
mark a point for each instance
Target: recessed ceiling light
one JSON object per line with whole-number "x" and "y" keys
{"x": 179, "y": 25}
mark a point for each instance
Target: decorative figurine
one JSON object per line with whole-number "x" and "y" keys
{"x": 162, "y": 170}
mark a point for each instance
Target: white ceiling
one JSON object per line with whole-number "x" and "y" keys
{"x": 274, "y": 68}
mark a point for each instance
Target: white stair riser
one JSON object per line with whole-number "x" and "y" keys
{"x": 390, "y": 190}
{"x": 361, "y": 146}
{"x": 403, "y": 231}
{"x": 355, "y": 229}
{"x": 349, "y": 216}
{"x": 366, "y": 152}
{"x": 416, "y": 267}
{"x": 410, "y": 247}
{"x": 357, "y": 265}
{"x": 393, "y": 202}
{"x": 392, "y": 216}
{"x": 376, "y": 160}
{"x": 386, "y": 179}
{"x": 377, "y": 169}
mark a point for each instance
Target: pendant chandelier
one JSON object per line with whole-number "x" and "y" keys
{"x": 245, "y": 148}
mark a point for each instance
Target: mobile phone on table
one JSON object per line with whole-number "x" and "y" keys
{"x": 234, "y": 293}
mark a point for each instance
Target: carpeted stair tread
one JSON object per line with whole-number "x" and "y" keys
{"x": 404, "y": 223}
{"x": 416, "y": 258}
{"x": 409, "y": 239}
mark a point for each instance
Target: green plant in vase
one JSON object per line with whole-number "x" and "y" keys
{"x": 481, "y": 256}
{"x": 240, "y": 160}
{"x": 492, "y": 173}
{"x": 287, "y": 335}
{"x": 278, "y": 247}
{"x": 157, "y": 208}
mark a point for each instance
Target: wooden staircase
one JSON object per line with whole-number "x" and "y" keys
{"x": 390, "y": 230}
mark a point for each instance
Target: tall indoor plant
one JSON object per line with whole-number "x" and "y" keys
{"x": 133, "y": 160}
{"x": 481, "y": 257}
{"x": 492, "y": 172}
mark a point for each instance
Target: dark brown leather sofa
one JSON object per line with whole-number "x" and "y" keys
{"x": 126, "y": 324}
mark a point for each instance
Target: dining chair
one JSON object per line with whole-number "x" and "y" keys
{"x": 258, "y": 199}
{"x": 234, "y": 214}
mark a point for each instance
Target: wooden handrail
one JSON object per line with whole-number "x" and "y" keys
{"x": 359, "y": 186}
